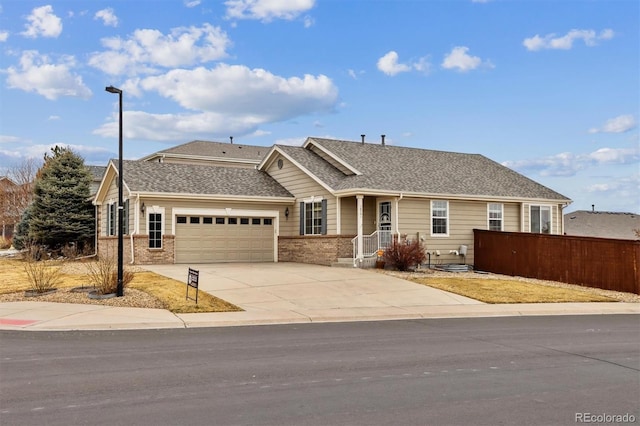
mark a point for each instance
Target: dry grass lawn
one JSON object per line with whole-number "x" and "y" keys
{"x": 169, "y": 292}
{"x": 509, "y": 291}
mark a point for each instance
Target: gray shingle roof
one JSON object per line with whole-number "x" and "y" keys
{"x": 316, "y": 165}
{"x": 219, "y": 150}
{"x": 403, "y": 169}
{"x": 97, "y": 172}
{"x": 142, "y": 176}
{"x": 602, "y": 224}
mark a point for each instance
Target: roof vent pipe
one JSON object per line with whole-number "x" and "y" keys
{"x": 382, "y": 137}
{"x": 231, "y": 139}
{"x": 362, "y": 136}
{"x": 593, "y": 207}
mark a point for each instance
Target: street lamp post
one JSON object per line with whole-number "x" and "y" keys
{"x": 120, "y": 288}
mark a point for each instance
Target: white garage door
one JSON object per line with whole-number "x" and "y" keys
{"x": 211, "y": 239}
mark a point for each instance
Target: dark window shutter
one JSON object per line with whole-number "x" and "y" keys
{"x": 302, "y": 218}
{"x": 323, "y": 225}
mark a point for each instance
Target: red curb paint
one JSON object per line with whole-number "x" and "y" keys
{"x": 11, "y": 321}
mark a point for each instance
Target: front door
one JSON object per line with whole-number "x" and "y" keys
{"x": 384, "y": 223}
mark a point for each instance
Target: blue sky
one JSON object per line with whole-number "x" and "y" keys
{"x": 548, "y": 88}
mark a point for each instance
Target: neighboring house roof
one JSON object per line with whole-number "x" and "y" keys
{"x": 97, "y": 172}
{"x": 414, "y": 170}
{"x": 602, "y": 224}
{"x": 6, "y": 181}
{"x": 172, "y": 178}
{"x": 214, "y": 151}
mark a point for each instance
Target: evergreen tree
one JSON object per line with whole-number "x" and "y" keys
{"x": 61, "y": 212}
{"x": 21, "y": 235}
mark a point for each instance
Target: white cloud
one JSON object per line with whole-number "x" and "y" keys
{"x": 38, "y": 74}
{"x": 9, "y": 139}
{"x": 43, "y": 22}
{"x": 620, "y": 124}
{"x": 308, "y": 21}
{"x": 460, "y": 60}
{"x": 4, "y": 36}
{"x": 172, "y": 127}
{"x": 267, "y": 10}
{"x": 291, "y": 141}
{"x": 107, "y": 16}
{"x": 240, "y": 90}
{"x": 146, "y": 49}
{"x": 192, "y": 3}
{"x": 53, "y": 117}
{"x": 568, "y": 164}
{"x": 244, "y": 99}
{"x": 565, "y": 42}
{"x": 389, "y": 64}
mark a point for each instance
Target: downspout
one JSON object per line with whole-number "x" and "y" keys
{"x": 397, "y": 215}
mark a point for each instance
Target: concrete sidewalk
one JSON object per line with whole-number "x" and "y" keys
{"x": 281, "y": 293}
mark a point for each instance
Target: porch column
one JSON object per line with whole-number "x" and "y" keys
{"x": 359, "y": 251}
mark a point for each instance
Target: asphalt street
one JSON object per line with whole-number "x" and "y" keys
{"x": 481, "y": 371}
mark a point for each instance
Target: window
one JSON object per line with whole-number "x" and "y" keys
{"x": 181, "y": 219}
{"x": 232, "y": 221}
{"x": 255, "y": 221}
{"x": 440, "y": 218}
{"x": 219, "y": 220}
{"x": 267, "y": 221}
{"x": 155, "y": 230}
{"x": 540, "y": 219}
{"x": 207, "y": 220}
{"x": 495, "y": 216}
{"x": 313, "y": 217}
{"x": 111, "y": 219}
{"x": 244, "y": 221}
{"x": 194, "y": 219}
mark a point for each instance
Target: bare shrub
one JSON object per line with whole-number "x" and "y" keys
{"x": 43, "y": 273}
{"x": 103, "y": 274}
{"x": 404, "y": 254}
{"x": 5, "y": 243}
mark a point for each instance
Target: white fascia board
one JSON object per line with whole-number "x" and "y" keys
{"x": 213, "y": 197}
{"x": 466, "y": 197}
{"x": 267, "y": 160}
{"x": 311, "y": 141}
{"x": 111, "y": 170}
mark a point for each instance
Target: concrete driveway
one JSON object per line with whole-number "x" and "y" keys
{"x": 313, "y": 291}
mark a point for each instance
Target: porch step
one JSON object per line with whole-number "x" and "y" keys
{"x": 343, "y": 262}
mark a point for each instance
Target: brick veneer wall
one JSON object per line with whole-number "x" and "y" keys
{"x": 315, "y": 249}
{"x": 108, "y": 246}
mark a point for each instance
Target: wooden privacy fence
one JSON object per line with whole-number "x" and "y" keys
{"x": 593, "y": 262}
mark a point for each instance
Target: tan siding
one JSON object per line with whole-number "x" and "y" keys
{"x": 171, "y": 204}
{"x": 512, "y": 217}
{"x": 301, "y": 186}
{"x": 414, "y": 216}
{"x": 369, "y": 215}
{"x": 348, "y": 215}
{"x": 526, "y": 216}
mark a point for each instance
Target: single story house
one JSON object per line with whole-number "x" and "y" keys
{"x": 207, "y": 202}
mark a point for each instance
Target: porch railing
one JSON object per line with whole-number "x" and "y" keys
{"x": 372, "y": 243}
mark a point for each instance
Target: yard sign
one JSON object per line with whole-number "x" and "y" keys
{"x": 192, "y": 281}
